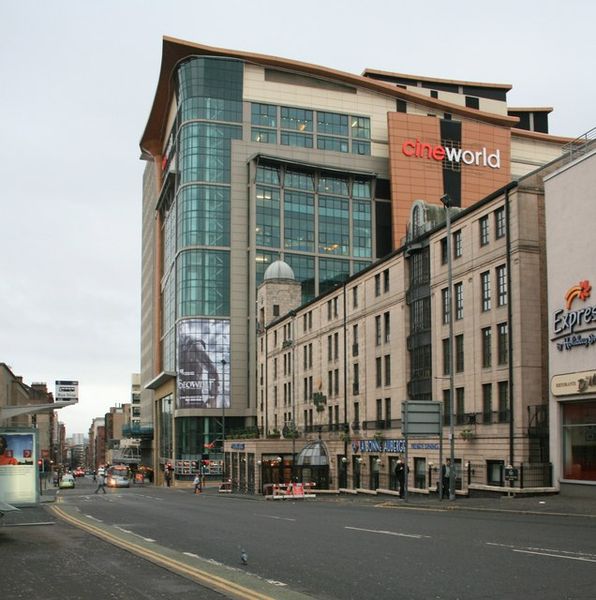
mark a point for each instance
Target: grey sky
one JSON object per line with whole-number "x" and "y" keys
{"x": 77, "y": 80}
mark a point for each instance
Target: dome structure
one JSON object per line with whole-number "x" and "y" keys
{"x": 313, "y": 455}
{"x": 278, "y": 270}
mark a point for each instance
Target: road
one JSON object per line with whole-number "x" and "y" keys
{"x": 340, "y": 549}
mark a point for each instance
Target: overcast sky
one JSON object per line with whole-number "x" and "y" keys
{"x": 77, "y": 80}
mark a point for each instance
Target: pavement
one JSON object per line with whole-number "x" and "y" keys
{"x": 560, "y": 504}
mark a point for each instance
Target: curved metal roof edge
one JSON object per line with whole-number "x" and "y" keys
{"x": 503, "y": 86}
{"x": 544, "y": 137}
{"x": 174, "y": 50}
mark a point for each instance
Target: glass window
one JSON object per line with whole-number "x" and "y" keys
{"x": 379, "y": 371}
{"x": 332, "y": 272}
{"x": 486, "y": 334}
{"x": 386, "y": 280}
{"x": 502, "y": 351}
{"x": 268, "y": 217}
{"x": 446, "y": 365}
{"x": 299, "y": 180}
{"x": 304, "y": 272}
{"x": 459, "y": 301}
{"x": 484, "y": 235}
{"x": 203, "y": 278}
{"x": 378, "y": 330}
{"x": 297, "y": 119}
{"x": 387, "y": 323}
{"x": 361, "y": 229}
{"x": 210, "y": 88}
{"x": 296, "y": 139}
{"x": 443, "y": 251}
{"x": 387, "y": 369}
{"x": 205, "y": 150}
{"x": 332, "y": 123}
{"x": 299, "y": 221}
{"x": 579, "y": 440}
{"x": 460, "y": 406}
{"x": 361, "y": 148}
{"x": 487, "y": 403}
{"x": 378, "y": 284}
{"x": 457, "y": 244}
{"x": 503, "y": 401}
{"x": 485, "y": 284}
{"x": 264, "y": 136}
{"x": 501, "y": 285}
{"x": 268, "y": 175}
{"x": 361, "y": 188}
{"x": 360, "y": 127}
{"x": 334, "y": 225}
{"x": 459, "y": 353}
{"x": 332, "y": 144}
{"x": 264, "y": 115}
{"x": 203, "y": 216}
{"x": 333, "y": 185}
{"x": 445, "y": 305}
{"x": 500, "y": 223}
{"x": 359, "y": 265}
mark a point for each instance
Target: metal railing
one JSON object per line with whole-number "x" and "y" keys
{"x": 580, "y": 145}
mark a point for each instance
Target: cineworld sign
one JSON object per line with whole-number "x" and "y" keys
{"x": 391, "y": 446}
{"x": 479, "y": 158}
{"x": 566, "y": 320}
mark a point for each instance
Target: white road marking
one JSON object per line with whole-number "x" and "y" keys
{"x": 548, "y": 552}
{"x": 133, "y": 533}
{"x": 275, "y": 517}
{"x": 191, "y": 554}
{"x": 277, "y": 583}
{"x": 91, "y": 517}
{"x": 395, "y": 533}
{"x": 582, "y": 558}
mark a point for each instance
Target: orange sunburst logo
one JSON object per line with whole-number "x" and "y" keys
{"x": 581, "y": 291}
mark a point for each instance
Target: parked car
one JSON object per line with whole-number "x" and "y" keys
{"x": 67, "y": 481}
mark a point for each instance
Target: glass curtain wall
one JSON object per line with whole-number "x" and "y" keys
{"x": 321, "y": 225}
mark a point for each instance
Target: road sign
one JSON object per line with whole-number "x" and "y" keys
{"x": 511, "y": 473}
{"x": 421, "y": 418}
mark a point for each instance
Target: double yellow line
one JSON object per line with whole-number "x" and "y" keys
{"x": 214, "y": 582}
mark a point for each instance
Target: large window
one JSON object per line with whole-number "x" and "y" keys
{"x": 268, "y": 217}
{"x": 334, "y": 225}
{"x": 203, "y": 216}
{"x": 459, "y": 353}
{"x": 486, "y": 334}
{"x": 502, "y": 345}
{"x": 500, "y": 223}
{"x": 501, "y": 285}
{"x": 485, "y": 290}
{"x": 579, "y": 440}
{"x": 487, "y": 403}
{"x": 459, "y": 301}
{"x": 203, "y": 278}
{"x": 299, "y": 221}
{"x": 297, "y": 119}
{"x": 332, "y": 272}
{"x": 484, "y": 231}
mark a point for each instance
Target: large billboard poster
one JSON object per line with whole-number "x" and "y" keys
{"x": 18, "y": 467}
{"x": 203, "y": 363}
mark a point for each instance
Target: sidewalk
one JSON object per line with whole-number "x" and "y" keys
{"x": 553, "y": 504}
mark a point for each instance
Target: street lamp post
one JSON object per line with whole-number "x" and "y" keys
{"x": 223, "y": 419}
{"x": 446, "y": 200}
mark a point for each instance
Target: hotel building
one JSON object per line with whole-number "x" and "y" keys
{"x": 253, "y": 159}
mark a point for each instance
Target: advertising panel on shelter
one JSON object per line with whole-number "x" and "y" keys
{"x": 203, "y": 363}
{"x": 18, "y": 466}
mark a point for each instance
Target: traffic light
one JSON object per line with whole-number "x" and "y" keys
{"x": 40, "y": 464}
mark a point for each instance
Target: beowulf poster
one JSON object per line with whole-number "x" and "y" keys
{"x": 203, "y": 364}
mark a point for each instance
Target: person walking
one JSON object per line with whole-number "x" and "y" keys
{"x": 101, "y": 482}
{"x": 197, "y": 483}
{"x": 400, "y": 474}
{"x": 168, "y": 476}
{"x": 445, "y": 478}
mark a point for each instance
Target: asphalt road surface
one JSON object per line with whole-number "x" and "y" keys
{"x": 341, "y": 549}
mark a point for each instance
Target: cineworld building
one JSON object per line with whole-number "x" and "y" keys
{"x": 273, "y": 187}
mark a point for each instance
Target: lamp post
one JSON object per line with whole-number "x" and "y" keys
{"x": 446, "y": 200}
{"x": 223, "y": 419}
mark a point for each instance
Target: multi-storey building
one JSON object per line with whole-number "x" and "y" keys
{"x": 253, "y": 158}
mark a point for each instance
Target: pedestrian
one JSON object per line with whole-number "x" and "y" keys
{"x": 197, "y": 483}
{"x": 101, "y": 482}
{"x": 168, "y": 475}
{"x": 446, "y": 478}
{"x": 400, "y": 475}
